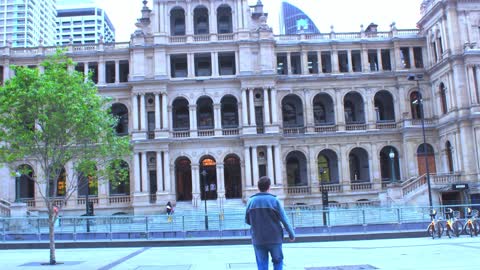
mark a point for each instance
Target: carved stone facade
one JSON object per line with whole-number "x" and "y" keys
{"x": 211, "y": 89}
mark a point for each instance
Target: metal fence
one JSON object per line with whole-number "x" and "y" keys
{"x": 215, "y": 224}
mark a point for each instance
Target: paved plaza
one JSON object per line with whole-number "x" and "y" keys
{"x": 408, "y": 253}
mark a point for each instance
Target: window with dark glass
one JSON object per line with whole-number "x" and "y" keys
{"x": 282, "y": 64}
{"x": 200, "y": 19}
{"x": 386, "y": 61}
{"x": 180, "y": 114}
{"x": 418, "y": 57}
{"x": 203, "y": 64}
{"x": 224, "y": 20}
{"x": 343, "y": 61}
{"x": 296, "y": 64}
{"x": 405, "y": 57}
{"x": 178, "y": 65}
{"x": 356, "y": 61}
{"x": 373, "y": 60}
{"x": 124, "y": 70}
{"x": 312, "y": 64}
{"x": 326, "y": 62}
{"x": 226, "y": 63}
{"x": 177, "y": 22}
{"x": 93, "y": 70}
{"x": 289, "y": 115}
{"x": 120, "y": 112}
{"x": 205, "y": 113}
{"x": 110, "y": 72}
{"x": 229, "y": 112}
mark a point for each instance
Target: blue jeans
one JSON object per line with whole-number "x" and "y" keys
{"x": 261, "y": 254}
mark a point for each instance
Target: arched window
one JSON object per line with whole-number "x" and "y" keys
{"x": 323, "y": 169}
{"x": 443, "y": 97}
{"x": 183, "y": 179}
{"x": 415, "y": 103}
{"x": 229, "y": 112}
{"x": 292, "y": 111}
{"x": 119, "y": 180}
{"x": 224, "y": 20}
{"x": 448, "y": 153}
{"x": 87, "y": 183}
{"x": 205, "y": 113}
{"x": 200, "y": 20}
{"x": 181, "y": 117}
{"x": 25, "y": 178}
{"x": 177, "y": 22}
{"x": 120, "y": 112}
{"x": 384, "y": 106}
{"x": 57, "y": 188}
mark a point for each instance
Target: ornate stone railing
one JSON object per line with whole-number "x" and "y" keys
{"x": 325, "y": 128}
{"x": 4, "y": 208}
{"x": 354, "y": 127}
{"x": 181, "y": 134}
{"x": 349, "y": 35}
{"x": 206, "y": 133}
{"x": 298, "y": 190}
{"x": 292, "y": 131}
{"x": 360, "y": 186}
{"x": 121, "y": 199}
{"x": 331, "y": 188}
{"x": 386, "y": 125}
{"x": 82, "y": 200}
{"x": 230, "y": 131}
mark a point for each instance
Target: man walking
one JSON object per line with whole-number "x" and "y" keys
{"x": 266, "y": 215}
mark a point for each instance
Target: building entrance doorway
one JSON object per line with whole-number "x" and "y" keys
{"x": 208, "y": 178}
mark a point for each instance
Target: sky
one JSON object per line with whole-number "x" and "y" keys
{"x": 344, "y": 15}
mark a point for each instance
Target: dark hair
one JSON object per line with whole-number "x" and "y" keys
{"x": 264, "y": 183}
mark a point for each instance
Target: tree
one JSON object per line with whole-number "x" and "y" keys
{"x": 54, "y": 118}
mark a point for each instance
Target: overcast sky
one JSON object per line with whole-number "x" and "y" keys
{"x": 344, "y": 15}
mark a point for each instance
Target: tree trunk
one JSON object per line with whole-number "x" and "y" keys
{"x": 51, "y": 234}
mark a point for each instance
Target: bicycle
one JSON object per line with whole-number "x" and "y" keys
{"x": 435, "y": 227}
{"x": 471, "y": 225}
{"x": 452, "y": 225}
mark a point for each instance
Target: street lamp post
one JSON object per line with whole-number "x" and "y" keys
{"x": 393, "y": 178}
{"x": 324, "y": 197}
{"x": 417, "y": 78}
{"x": 205, "y": 189}
{"x": 87, "y": 206}
{"x": 18, "y": 176}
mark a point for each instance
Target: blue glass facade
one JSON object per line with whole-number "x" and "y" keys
{"x": 294, "y": 20}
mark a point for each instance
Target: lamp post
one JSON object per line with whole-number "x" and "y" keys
{"x": 417, "y": 78}
{"x": 324, "y": 197}
{"x": 87, "y": 206}
{"x": 205, "y": 189}
{"x": 18, "y": 176}
{"x": 393, "y": 178}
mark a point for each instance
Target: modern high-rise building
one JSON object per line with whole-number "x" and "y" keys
{"x": 84, "y": 25}
{"x": 27, "y": 23}
{"x": 295, "y": 21}
{"x": 212, "y": 100}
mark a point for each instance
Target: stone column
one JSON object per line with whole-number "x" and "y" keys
{"x": 165, "y": 124}
{"x": 157, "y": 111}
{"x": 244, "y": 108}
{"x": 135, "y": 112}
{"x": 136, "y": 172}
{"x": 334, "y": 58}
{"x": 195, "y": 185}
{"x": 379, "y": 59}
{"x": 215, "y": 69}
{"x": 270, "y": 168}
{"x": 217, "y": 116}
{"x": 145, "y": 186}
{"x": 278, "y": 166}
{"x": 252, "y": 108}
{"x": 319, "y": 62}
{"x": 274, "y": 106}
{"x": 166, "y": 172}
{"x": 101, "y": 72}
{"x": 340, "y": 113}
{"x": 143, "y": 113}
{"x": 213, "y": 20}
{"x": 191, "y": 65}
{"x": 117, "y": 71}
{"x": 289, "y": 64}
{"x": 248, "y": 168}
{"x": 411, "y": 58}
{"x": 266, "y": 106}
{"x": 349, "y": 57}
{"x": 304, "y": 55}
{"x": 159, "y": 167}
{"x": 255, "y": 164}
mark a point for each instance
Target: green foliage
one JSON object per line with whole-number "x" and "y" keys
{"x": 56, "y": 117}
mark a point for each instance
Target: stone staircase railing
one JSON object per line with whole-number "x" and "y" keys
{"x": 414, "y": 184}
{"x": 4, "y": 208}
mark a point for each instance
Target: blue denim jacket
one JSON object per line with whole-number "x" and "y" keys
{"x": 266, "y": 215}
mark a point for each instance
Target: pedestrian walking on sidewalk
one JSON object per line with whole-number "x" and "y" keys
{"x": 266, "y": 216}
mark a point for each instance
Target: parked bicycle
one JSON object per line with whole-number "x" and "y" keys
{"x": 452, "y": 225}
{"x": 471, "y": 225}
{"x": 435, "y": 228}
